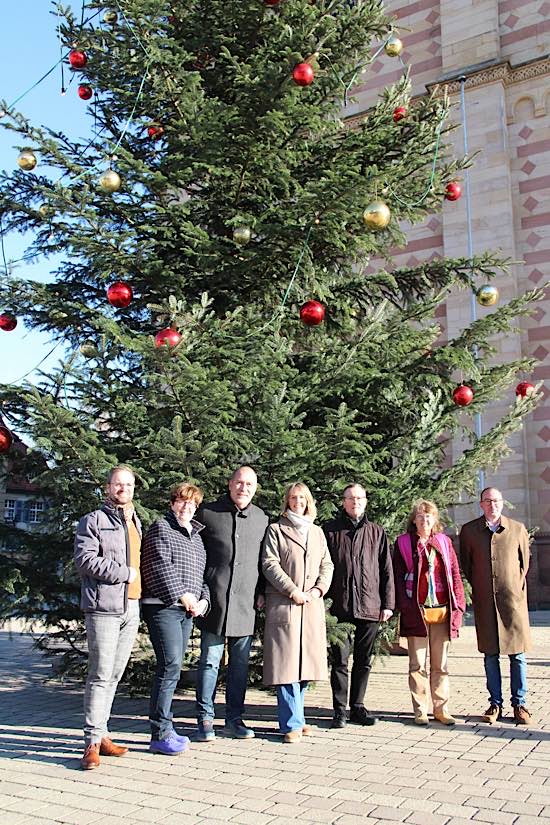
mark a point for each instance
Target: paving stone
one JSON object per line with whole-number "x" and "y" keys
{"x": 393, "y": 814}
{"x": 422, "y": 818}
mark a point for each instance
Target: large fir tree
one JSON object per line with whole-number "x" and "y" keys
{"x": 195, "y": 107}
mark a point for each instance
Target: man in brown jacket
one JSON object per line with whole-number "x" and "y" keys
{"x": 494, "y": 552}
{"x": 362, "y": 594}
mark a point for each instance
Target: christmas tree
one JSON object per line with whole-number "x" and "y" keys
{"x": 213, "y": 301}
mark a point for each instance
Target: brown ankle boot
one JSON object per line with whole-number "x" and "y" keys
{"x": 90, "y": 759}
{"x": 108, "y": 748}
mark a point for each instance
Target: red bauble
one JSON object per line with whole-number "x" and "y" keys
{"x": 303, "y": 74}
{"x": 399, "y": 114}
{"x": 463, "y": 395}
{"x": 120, "y": 294}
{"x": 271, "y": 2}
{"x": 453, "y": 190}
{"x": 7, "y": 321}
{"x": 155, "y": 131}
{"x": 312, "y": 313}
{"x": 167, "y": 337}
{"x": 524, "y": 388}
{"x": 77, "y": 59}
{"x": 84, "y": 91}
{"x": 6, "y": 439}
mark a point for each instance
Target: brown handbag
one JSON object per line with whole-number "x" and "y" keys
{"x": 436, "y": 615}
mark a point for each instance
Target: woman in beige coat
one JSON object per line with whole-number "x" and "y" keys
{"x": 298, "y": 571}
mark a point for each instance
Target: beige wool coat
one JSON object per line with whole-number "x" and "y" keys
{"x": 295, "y": 647}
{"x": 496, "y": 566}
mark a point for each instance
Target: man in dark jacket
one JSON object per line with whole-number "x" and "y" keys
{"x": 233, "y": 532}
{"x": 106, "y": 554}
{"x": 362, "y": 593}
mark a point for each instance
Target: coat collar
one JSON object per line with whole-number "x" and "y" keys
{"x": 228, "y": 504}
{"x": 482, "y": 523}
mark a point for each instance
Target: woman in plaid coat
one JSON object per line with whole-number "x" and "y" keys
{"x": 173, "y": 560}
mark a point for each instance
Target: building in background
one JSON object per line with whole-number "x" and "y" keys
{"x": 21, "y": 504}
{"x": 499, "y": 51}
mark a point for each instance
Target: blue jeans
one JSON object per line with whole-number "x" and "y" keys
{"x": 237, "y": 675}
{"x": 290, "y": 706}
{"x": 169, "y": 629}
{"x": 518, "y": 678}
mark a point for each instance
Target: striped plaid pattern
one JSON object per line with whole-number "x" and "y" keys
{"x": 172, "y": 562}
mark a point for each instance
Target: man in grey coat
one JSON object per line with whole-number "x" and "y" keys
{"x": 233, "y": 535}
{"x": 106, "y": 554}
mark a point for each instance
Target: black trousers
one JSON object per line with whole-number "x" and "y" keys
{"x": 363, "y": 642}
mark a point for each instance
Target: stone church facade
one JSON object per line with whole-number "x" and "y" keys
{"x": 498, "y": 53}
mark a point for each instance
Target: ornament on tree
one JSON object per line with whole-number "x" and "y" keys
{"x": 8, "y": 322}
{"x": 202, "y": 59}
{"x": 85, "y": 91}
{"x": 463, "y": 395}
{"x": 487, "y": 295}
{"x": 88, "y": 349}
{"x": 312, "y": 313}
{"x": 46, "y": 211}
{"x": 26, "y": 160}
{"x": 524, "y": 388}
{"x": 120, "y": 294}
{"x": 453, "y": 190}
{"x": 155, "y": 131}
{"x": 242, "y": 235}
{"x": 399, "y": 113}
{"x": 303, "y": 74}
{"x": 110, "y": 181}
{"x": 167, "y": 337}
{"x": 271, "y": 2}
{"x": 6, "y": 439}
{"x": 110, "y": 17}
{"x": 377, "y": 215}
{"x": 393, "y": 46}
{"x": 77, "y": 58}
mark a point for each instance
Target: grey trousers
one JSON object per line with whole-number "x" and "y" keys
{"x": 110, "y": 642}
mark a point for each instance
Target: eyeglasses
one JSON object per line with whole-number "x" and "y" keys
{"x": 354, "y": 498}
{"x": 491, "y": 500}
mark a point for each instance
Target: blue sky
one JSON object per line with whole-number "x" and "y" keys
{"x": 28, "y": 48}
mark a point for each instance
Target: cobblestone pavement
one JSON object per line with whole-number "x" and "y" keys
{"x": 393, "y": 772}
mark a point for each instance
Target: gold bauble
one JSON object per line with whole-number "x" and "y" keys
{"x": 26, "y": 160}
{"x": 46, "y": 211}
{"x": 242, "y": 235}
{"x": 110, "y": 181}
{"x": 110, "y": 17}
{"x": 88, "y": 349}
{"x": 377, "y": 215}
{"x": 487, "y": 295}
{"x": 393, "y": 46}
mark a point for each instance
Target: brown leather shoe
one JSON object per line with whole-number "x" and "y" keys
{"x": 306, "y": 730}
{"x": 444, "y": 718}
{"x": 293, "y": 736}
{"x": 108, "y": 748}
{"x": 90, "y": 760}
{"x": 522, "y": 715}
{"x": 492, "y": 714}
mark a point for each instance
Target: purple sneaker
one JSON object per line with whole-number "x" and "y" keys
{"x": 170, "y": 746}
{"x": 181, "y": 737}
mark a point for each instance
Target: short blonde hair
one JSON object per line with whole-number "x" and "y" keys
{"x": 311, "y": 509}
{"x": 423, "y": 505}
{"x": 187, "y": 492}
{"x": 120, "y": 468}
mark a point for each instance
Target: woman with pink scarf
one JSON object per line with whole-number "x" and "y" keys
{"x": 429, "y": 596}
